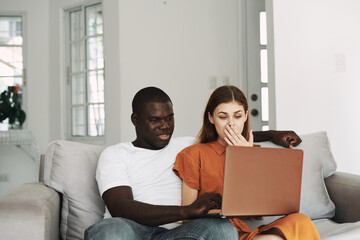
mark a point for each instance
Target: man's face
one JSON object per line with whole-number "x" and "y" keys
{"x": 154, "y": 125}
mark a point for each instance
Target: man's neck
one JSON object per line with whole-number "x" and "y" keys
{"x": 143, "y": 144}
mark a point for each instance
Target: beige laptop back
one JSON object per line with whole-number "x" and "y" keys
{"x": 261, "y": 181}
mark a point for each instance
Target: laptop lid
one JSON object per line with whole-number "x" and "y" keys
{"x": 261, "y": 181}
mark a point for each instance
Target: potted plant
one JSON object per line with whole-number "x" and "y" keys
{"x": 10, "y": 107}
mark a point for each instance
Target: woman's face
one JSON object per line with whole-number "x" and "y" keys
{"x": 230, "y": 114}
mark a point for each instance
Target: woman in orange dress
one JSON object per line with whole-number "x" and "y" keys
{"x": 201, "y": 166}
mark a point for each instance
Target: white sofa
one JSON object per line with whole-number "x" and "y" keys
{"x": 66, "y": 200}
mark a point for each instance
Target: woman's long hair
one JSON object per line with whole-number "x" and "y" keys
{"x": 222, "y": 94}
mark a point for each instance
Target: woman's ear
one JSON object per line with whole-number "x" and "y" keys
{"x": 211, "y": 119}
{"x": 246, "y": 115}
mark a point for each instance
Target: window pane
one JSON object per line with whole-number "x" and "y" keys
{"x": 10, "y": 30}
{"x": 96, "y": 86}
{"x": 10, "y": 81}
{"x": 77, "y": 89}
{"x": 11, "y": 56}
{"x": 95, "y": 53}
{"x": 77, "y": 57}
{"x": 87, "y": 71}
{"x": 75, "y": 22}
{"x": 263, "y": 29}
{"x": 265, "y": 103}
{"x": 94, "y": 22}
{"x": 11, "y": 61}
{"x": 96, "y": 120}
{"x": 78, "y": 121}
{"x": 264, "y": 65}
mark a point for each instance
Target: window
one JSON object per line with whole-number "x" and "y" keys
{"x": 11, "y": 55}
{"x": 264, "y": 72}
{"x": 85, "y": 71}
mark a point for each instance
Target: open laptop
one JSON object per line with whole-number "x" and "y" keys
{"x": 261, "y": 181}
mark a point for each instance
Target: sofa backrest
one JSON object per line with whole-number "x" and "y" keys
{"x": 69, "y": 168}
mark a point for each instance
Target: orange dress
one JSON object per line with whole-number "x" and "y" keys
{"x": 201, "y": 167}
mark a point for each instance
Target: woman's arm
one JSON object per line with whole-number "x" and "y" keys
{"x": 188, "y": 195}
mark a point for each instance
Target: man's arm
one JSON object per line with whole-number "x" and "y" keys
{"x": 120, "y": 203}
{"x": 282, "y": 138}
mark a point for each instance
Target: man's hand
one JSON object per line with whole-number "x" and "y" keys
{"x": 204, "y": 203}
{"x": 287, "y": 139}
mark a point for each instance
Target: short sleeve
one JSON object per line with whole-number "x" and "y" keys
{"x": 187, "y": 167}
{"x": 112, "y": 170}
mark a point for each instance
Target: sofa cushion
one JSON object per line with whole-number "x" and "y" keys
{"x": 330, "y": 230}
{"x": 69, "y": 168}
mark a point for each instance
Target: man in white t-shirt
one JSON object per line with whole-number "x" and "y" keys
{"x": 141, "y": 193}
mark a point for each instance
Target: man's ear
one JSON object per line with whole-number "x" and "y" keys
{"x": 134, "y": 119}
{"x": 211, "y": 119}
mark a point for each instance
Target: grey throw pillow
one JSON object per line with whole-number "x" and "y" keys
{"x": 69, "y": 168}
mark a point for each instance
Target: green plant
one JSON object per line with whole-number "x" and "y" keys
{"x": 10, "y": 106}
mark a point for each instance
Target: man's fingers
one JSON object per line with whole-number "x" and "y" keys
{"x": 212, "y": 200}
{"x": 292, "y": 142}
{"x": 285, "y": 143}
{"x": 296, "y": 142}
{"x": 214, "y": 205}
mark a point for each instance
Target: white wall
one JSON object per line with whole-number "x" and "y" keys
{"x": 178, "y": 47}
{"x": 17, "y": 166}
{"x": 312, "y": 92}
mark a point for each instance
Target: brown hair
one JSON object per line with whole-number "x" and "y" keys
{"x": 222, "y": 94}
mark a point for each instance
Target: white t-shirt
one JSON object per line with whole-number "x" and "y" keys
{"x": 148, "y": 172}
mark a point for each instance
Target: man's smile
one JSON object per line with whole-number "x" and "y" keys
{"x": 164, "y": 137}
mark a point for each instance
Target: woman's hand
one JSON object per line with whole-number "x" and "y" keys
{"x": 234, "y": 138}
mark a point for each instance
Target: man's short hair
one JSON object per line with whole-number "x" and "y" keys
{"x": 146, "y": 95}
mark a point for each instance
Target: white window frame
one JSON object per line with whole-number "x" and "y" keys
{"x": 86, "y": 139}
{"x": 22, "y": 14}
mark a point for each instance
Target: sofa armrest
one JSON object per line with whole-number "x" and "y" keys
{"x": 344, "y": 191}
{"x": 30, "y": 211}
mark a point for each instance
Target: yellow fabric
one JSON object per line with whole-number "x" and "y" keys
{"x": 201, "y": 167}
